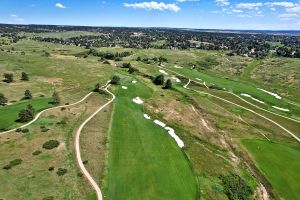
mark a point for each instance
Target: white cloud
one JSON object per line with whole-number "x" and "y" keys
{"x": 59, "y": 5}
{"x": 249, "y": 6}
{"x": 295, "y": 9}
{"x": 17, "y": 18}
{"x": 281, "y": 3}
{"x": 237, "y": 11}
{"x": 273, "y": 9}
{"x": 288, "y": 15}
{"x": 222, "y": 2}
{"x": 182, "y": 1}
{"x": 154, "y": 6}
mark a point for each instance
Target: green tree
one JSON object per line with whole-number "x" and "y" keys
{"x": 159, "y": 80}
{"x": 131, "y": 70}
{"x": 168, "y": 84}
{"x": 24, "y": 76}
{"x": 115, "y": 80}
{"x": 55, "y": 98}
{"x": 8, "y": 78}
{"x": 27, "y": 95}
{"x": 3, "y": 99}
{"x": 26, "y": 114}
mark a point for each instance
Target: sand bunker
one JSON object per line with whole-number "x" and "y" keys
{"x": 138, "y": 100}
{"x": 171, "y": 132}
{"x": 271, "y": 93}
{"x": 199, "y": 79}
{"x": 282, "y": 109}
{"x": 163, "y": 72}
{"x": 178, "y": 67}
{"x": 147, "y": 116}
{"x": 159, "y": 123}
{"x": 176, "y": 79}
{"x": 249, "y": 96}
{"x": 133, "y": 82}
{"x": 124, "y": 87}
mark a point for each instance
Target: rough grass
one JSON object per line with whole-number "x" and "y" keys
{"x": 9, "y": 114}
{"x": 144, "y": 162}
{"x": 279, "y": 162}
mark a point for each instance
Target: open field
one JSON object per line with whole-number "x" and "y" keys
{"x": 129, "y": 156}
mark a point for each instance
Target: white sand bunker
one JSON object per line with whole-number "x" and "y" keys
{"x": 178, "y": 67}
{"x": 171, "y": 132}
{"x": 124, "y": 87}
{"x": 133, "y": 82}
{"x": 163, "y": 72}
{"x": 249, "y": 96}
{"x": 176, "y": 79}
{"x": 138, "y": 100}
{"x": 199, "y": 79}
{"x": 271, "y": 93}
{"x": 147, "y": 116}
{"x": 282, "y": 109}
{"x": 159, "y": 123}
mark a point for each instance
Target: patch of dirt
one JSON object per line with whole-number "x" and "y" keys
{"x": 63, "y": 57}
{"x": 261, "y": 193}
{"x": 52, "y": 81}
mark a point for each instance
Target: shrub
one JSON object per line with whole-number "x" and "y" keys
{"x": 51, "y": 144}
{"x": 19, "y": 130}
{"x": 235, "y": 187}
{"x": 25, "y": 130}
{"x": 85, "y": 162}
{"x": 27, "y": 95}
{"x": 13, "y": 163}
{"x": 48, "y": 198}
{"x": 27, "y": 114}
{"x": 44, "y": 129}
{"x": 3, "y": 99}
{"x": 24, "y": 76}
{"x": 51, "y": 168}
{"x": 61, "y": 171}
{"x": 38, "y": 152}
{"x": 8, "y": 78}
{"x": 168, "y": 84}
{"x": 159, "y": 80}
{"x": 56, "y": 99}
{"x": 115, "y": 80}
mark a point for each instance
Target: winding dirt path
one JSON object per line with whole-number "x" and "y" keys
{"x": 77, "y": 147}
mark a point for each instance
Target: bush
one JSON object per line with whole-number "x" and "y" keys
{"x": 61, "y": 171}
{"x": 27, "y": 114}
{"x": 24, "y": 76}
{"x": 168, "y": 84}
{"x": 50, "y": 169}
{"x": 3, "y": 99}
{"x": 235, "y": 187}
{"x": 44, "y": 129}
{"x": 13, "y": 163}
{"x": 51, "y": 144}
{"x": 38, "y": 152}
{"x": 8, "y": 78}
{"x": 159, "y": 80}
{"x": 115, "y": 80}
{"x": 25, "y": 130}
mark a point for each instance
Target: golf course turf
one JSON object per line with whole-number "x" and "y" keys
{"x": 279, "y": 162}
{"x": 144, "y": 161}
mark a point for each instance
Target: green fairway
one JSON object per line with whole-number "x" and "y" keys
{"x": 280, "y": 163}
{"x": 144, "y": 161}
{"x": 9, "y": 114}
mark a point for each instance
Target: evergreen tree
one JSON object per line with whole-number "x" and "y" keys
{"x": 27, "y": 95}
{"x": 159, "y": 80}
{"x": 27, "y": 114}
{"x": 56, "y": 99}
{"x": 24, "y": 76}
{"x": 3, "y": 99}
{"x": 115, "y": 80}
{"x": 168, "y": 84}
{"x": 8, "y": 78}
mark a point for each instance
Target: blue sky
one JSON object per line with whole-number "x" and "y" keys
{"x": 219, "y": 14}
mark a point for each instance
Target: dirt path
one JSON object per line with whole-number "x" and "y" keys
{"x": 77, "y": 147}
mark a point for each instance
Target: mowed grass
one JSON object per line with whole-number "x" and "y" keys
{"x": 9, "y": 114}
{"x": 280, "y": 163}
{"x": 144, "y": 161}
